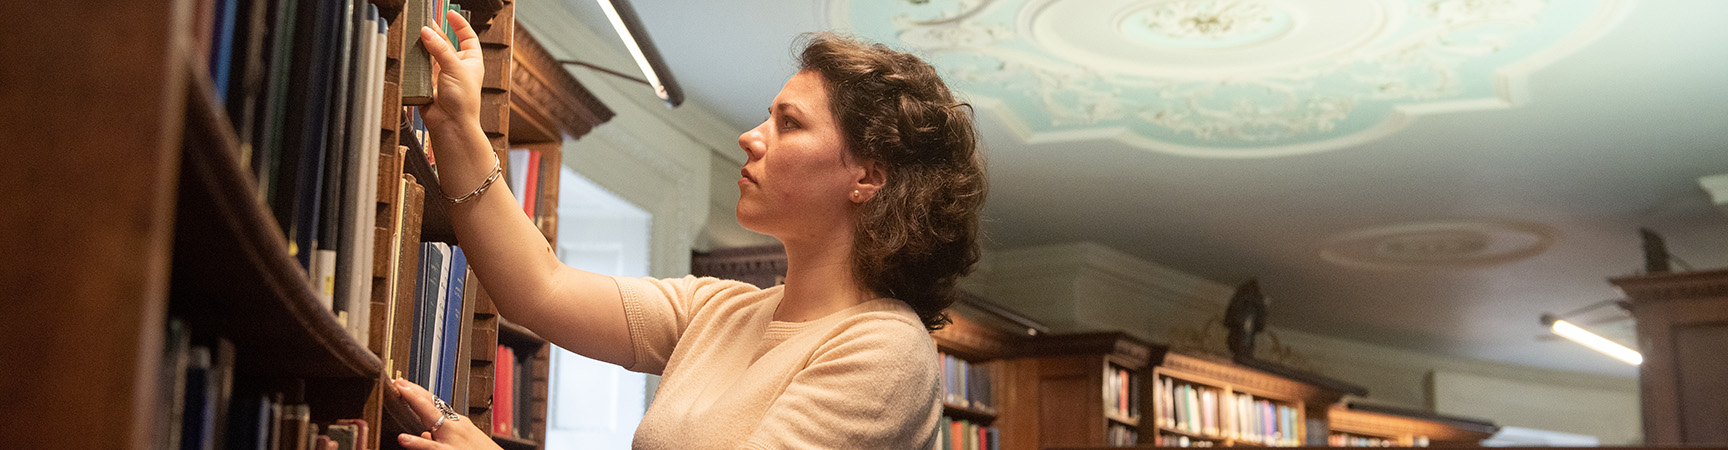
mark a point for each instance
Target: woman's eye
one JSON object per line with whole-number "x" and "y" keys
{"x": 788, "y": 123}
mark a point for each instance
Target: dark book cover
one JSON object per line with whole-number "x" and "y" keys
{"x": 272, "y": 109}
{"x": 335, "y": 145}
{"x": 246, "y": 77}
{"x": 301, "y": 179}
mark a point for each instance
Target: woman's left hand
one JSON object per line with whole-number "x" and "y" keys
{"x": 451, "y": 434}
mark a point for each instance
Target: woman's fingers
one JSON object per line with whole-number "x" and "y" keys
{"x": 419, "y": 400}
{"x": 439, "y": 48}
{"x": 422, "y": 442}
{"x": 465, "y": 35}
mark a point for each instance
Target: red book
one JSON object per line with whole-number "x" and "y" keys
{"x": 530, "y": 196}
{"x": 503, "y": 392}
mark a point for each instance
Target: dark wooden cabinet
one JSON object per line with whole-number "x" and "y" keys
{"x": 1682, "y": 331}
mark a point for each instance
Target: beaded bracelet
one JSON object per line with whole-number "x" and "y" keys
{"x": 497, "y": 169}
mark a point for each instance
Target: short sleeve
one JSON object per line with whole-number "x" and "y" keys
{"x": 874, "y": 385}
{"x": 659, "y": 310}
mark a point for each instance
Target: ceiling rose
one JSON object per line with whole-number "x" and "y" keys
{"x": 1231, "y": 78}
{"x": 1428, "y": 245}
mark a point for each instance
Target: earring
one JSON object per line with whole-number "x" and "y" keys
{"x": 857, "y": 195}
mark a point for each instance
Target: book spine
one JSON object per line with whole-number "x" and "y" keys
{"x": 416, "y": 62}
{"x": 453, "y": 319}
{"x": 503, "y": 395}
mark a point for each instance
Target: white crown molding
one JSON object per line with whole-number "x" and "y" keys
{"x": 1088, "y": 264}
{"x": 1717, "y": 187}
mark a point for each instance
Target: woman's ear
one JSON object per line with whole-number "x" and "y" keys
{"x": 871, "y": 177}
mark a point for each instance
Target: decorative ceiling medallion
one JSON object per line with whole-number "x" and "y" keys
{"x": 1205, "y": 24}
{"x": 1231, "y": 78}
{"x": 1438, "y": 245}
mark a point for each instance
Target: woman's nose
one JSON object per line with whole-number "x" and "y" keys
{"x": 752, "y": 142}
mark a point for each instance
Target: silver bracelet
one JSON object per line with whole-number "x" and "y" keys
{"x": 497, "y": 169}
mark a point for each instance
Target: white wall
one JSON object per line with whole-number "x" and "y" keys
{"x": 657, "y": 158}
{"x": 1088, "y": 287}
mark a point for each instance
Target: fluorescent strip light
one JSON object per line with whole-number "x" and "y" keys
{"x": 1598, "y": 343}
{"x": 635, "y": 50}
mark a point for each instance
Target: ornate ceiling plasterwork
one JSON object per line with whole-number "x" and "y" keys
{"x": 1231, "y": 78}
{"x": 1433, "y": 245}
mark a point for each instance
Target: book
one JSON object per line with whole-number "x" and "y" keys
{"x": 221, "y": 46}
{"x": 358, "y": 214}
{"x": 531, "y": 184}
{"x": 342, "y": 436}
{"x": 247, "y": 78}
{"x": 429, "y": 288}
{"x": 465, "y": 342}
{"x": 304, "y": 149}
{"x": 362, "y": 432}
{"x": 171, "y": 382}
{"x": 294, "y": 424}
{"x": 523, "y": 375}
{"x": 503, "y": 392}
{"x": 454, "y": 319}
{"x": 416, "y": 62}
{"x": 516, "y": 175}
{"x": 335, "y": 174}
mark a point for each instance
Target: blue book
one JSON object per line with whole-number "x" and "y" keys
{"x": 222, "y": 47}
{"x": 453, "y": 321}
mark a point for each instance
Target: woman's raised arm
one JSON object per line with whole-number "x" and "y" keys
{"x": 577, "y": 310}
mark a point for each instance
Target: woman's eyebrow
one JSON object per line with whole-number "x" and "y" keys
{"x": 786, "y": 107}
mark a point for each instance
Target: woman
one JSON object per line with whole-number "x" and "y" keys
{"x": 866, "y": 170}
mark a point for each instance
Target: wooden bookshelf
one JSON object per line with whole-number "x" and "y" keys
{"x": 1077, "y": 390}
{"x": 973, "y": 348}
{"x": 1198, "y": 400}
{"x": 1353, "y": 425}
{"x": 1682, "y": 328}
{"x": 137, "y": 206}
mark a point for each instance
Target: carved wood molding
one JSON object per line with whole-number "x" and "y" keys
{"x": 541, "y": 85}
{"x": 1674, "y": 286}
{"x": 1253, "y": 381}
{"x": 763, "y": 266}
{"x": 974, "y": 340}
{"x": 1123, "y": 349}
{"x": 1371, "y": 423}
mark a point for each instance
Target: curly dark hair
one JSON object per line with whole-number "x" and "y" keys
{"x": 919, "y": 234}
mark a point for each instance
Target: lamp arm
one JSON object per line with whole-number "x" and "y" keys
{"x": 606, "y": 70}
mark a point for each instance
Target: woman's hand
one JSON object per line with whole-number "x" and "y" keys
{"x": 456, "y": 87}
{"x": 451, "y": 434}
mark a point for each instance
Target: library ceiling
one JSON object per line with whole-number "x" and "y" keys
{"x": 1425, "y": 174}
{"x": 1231, "y": 78}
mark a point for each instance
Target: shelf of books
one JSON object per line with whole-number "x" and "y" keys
{"x": 1208, "y": 402}
{"x": 249, "y": 264}
{"x": 519, "y": 388}
{"x": 970, "y": 350}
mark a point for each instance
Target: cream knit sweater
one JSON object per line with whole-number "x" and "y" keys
{"x": 866, "y": 377}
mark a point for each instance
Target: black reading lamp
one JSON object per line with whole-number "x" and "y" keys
{"x": 635, "y": 36}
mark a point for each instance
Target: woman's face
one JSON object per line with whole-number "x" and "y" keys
{"x": 799, "y": 178}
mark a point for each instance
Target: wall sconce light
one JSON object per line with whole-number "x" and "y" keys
{"x": 635, "y": 36}
{"x": 1559, "y": 326}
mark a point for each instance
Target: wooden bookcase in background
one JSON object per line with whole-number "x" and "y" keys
{"x": 1059, "y": 386}
{"x": 982, "y": 340}
{"x": 1308, "y": 402}
{"x": 1682, "y": 329}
